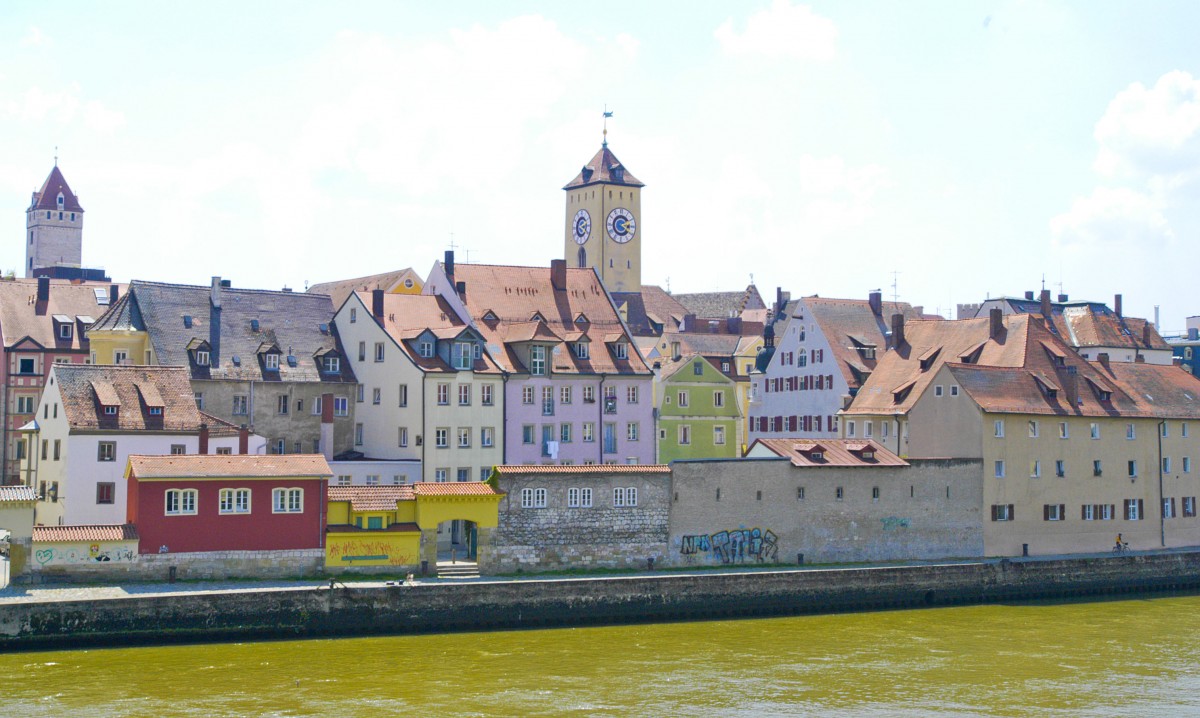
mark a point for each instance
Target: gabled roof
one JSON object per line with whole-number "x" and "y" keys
{"x": 848, "y": 324}
{"x": 387, "y": 281}
{"x": 651, "y": 311}
{"x": 454, "y": 488}
{"x": 371, "y": 498}
{"x": 300, "y": 324}
{"x": 596, "y": 469}
{"x": 85, "y": 533}
{"x": 22, "y": 316}
{"x": 87, "y": 388}
{"x": 47, "y": 196}
{"x": 406, "y": 317}
{"x": 221, "y": 466}
{"x": 603, "y": 167}
{"x": 514, "y": 294}
{"x": 672, "y": 367}
{"x": 721, "y": 305}
{"x": 833, "y": 452}
{"x": 1086, "y": 324}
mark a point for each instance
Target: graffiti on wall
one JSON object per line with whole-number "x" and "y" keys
{"x": 733, "y": 546}
{"x": 368, "y": 551}
{"x": 891, "y": 523}
{"x": 91, "y": 553}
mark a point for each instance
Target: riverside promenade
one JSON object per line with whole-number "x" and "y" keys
{"x": 66, "y": 616}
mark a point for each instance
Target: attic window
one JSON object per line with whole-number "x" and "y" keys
{"x": 291, "y": 360}
{"x": 901, "y": 392}
{"x": 254, "y": 325}
{"x": 537, "y": 317}
{"x": 490, "y": 316}
{"x": 581, "y": 319}
{"x": 621, "y": 350}
{"x": 868, "y": 454}
{"x": 271, "y": 361}
{"x": 187, "y": 321}
{"x": 331, "y": 364}
{"x": 323, "y": 327}
{"x": 928, "y": 358}
{"x": 237, "y": 360}
{"x": 64, "y": 331}
{"x": 816, "y": 455}
{"x": 582, "y": 350}
{"x": 201, "y": 357}
{"x": 154, "y": 410}
{"x": 426, "y": 349}
{"x": 101, "y": 295}
{"x": 866, "y": 352}
{"x": 61, "y": 200}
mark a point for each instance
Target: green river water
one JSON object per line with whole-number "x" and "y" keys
{"x": 1108, "y": 658}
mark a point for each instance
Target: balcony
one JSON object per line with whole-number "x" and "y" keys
{"x": 610, "y": 405}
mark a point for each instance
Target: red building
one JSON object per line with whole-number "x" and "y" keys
{"x": 188, "y": 503}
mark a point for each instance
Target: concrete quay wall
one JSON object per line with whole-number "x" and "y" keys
{"x": 442, "y": 607}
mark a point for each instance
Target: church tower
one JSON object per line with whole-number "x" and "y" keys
{"x": 604, "y": 222}
{"x": 53, "y": 226}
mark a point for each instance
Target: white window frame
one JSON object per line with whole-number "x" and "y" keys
{"x": 233, "y": 501}
{"x": 287, "y": 500}
{"x": 180, "y": 502}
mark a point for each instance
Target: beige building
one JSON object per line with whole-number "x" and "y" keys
{"x": 255, "y": 357}
{"x": 1073, "y": 452}
{"x": 431, "y": 391}
{"x": 603, "y": 222}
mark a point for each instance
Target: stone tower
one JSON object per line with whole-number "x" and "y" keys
{"x": 53, "y": 226}
{"x": 604, "y": 222}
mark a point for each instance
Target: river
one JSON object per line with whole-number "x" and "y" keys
{"x": 1107, "y": 658}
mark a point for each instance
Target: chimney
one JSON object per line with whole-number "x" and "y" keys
{"x": 243, "y": 439}
{"x": 1117, "y": 305}
{"x": 326, "y": 441}
{"x": 1139, "y": 358}
{"x": 377, "y": 303}
{"x": 204, "y": 438}
{"x": 689, "y": 323}
{"x": 995, "y": 323}
{"x": 216, "y": 292}
{"x": 558, "y": 274}
{"x": 1147, "y": 334}
{"x": 778, "y": 301}
{"x": 214, "y": 325}
{"x": 1102, "y": 357}
{"x": 114, "y": 293}
{"x": 448, "y": 265}
{"x": 897, "y": 330}
{"x": 43, "y": 290}
{"x": 1046, "y": 310}
{"x": 1029, "y": 296}
{"x": 1062, "y": 299}
{"x": 769, "y": 336}
{"x": 1070, "y": 382}
{"x": 875, "y": 299}
{"x": 1193, "y": 333}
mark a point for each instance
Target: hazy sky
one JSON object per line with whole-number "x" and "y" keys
{"x": 972, "y": 147}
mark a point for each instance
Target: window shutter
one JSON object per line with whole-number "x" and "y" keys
{"x": 1083, "y": 512}
{"x": 994, "y": 510}
{"x": 1045, "y": 512}
{"x": 1141, "y": 511}
{"x": 1012, "y": 516}
{"x": 1126, "y": 510}
{"x": 1062, "y": 512}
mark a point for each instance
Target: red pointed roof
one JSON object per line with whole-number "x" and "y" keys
{"x": 47, "y": 196}
{"x": 606, "y": 168}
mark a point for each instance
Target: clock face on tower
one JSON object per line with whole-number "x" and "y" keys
{"x": 582, "y": 226}
{"x": 621, "y": 225}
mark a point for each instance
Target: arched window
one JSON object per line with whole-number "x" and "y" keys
{"x": 582, "y": 257}
{"x": 802, "y": 358}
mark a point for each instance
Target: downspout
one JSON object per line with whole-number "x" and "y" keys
{"x": 600, "y": 422}
{"x": 1162, "y": 518}
{"x": 503, "y": 417}
{"x": 424, "y": 429}
{"x": 7, "y": 419}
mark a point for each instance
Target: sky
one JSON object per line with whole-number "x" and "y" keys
{"x": 942, "y": 152}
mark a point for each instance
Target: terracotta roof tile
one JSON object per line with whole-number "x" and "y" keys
{"x": 721, "y": 305}
{"x": 85, "y": 533}
{"x": 833, "y": 452}
{"x": 848, "y": 324}
{"x": 407, "y": 316}
{"x": 17, "y": 494}
{"x": 598, "y": 469}
{"x": 21, "y": 315}
{"x": 650, "y": 311}
{"x": 371, "y": 498}
{"x": 454, "y": 488}
{"x": 603, "y": 167}
{"x": 47, "y": 197}
{"x": 87, "y": 388}
{"x": 349, "y": 529}
{"x": 215, "y": 466}
{"x": 339, "y": 290}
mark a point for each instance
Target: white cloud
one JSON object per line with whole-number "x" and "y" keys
{"x": 34, "y": 37}
{"x": 783, "y": 30}
{"x": 1113, "y": 218}
{"x": 101, "y": 119}
{"x": 38, "y": 105}
{"x": 1152, "y": 133}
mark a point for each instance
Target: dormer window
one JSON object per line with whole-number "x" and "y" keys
{"x": 271, "y": 361}
{"x": 868, "y": 455}
{"x": 537, "y": 360}
{"x": 331, "y": 364}
{"x": 621, "y": 350}
{"x": 201, "y": 357}
{"x": 582, "y": 350}
{"x": 463, "y": 355}
{"x": 154, "y": 410}
{"x": 64, "y": 331}
{"x": 425, "y": 349}
{"x": 110, "y": 411}
{"x": 816, "y": 455}
{"x": 61, "y": 200}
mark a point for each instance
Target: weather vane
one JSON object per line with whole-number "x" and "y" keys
{"x": 607, "y": 114}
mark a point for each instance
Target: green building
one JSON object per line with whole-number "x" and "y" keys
{"x": 698, "y": 415}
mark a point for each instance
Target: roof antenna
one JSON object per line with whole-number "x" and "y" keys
{"x": 56, "y": 155}
{"x": 895, "y": 286}
{"x": 607, "y": 115}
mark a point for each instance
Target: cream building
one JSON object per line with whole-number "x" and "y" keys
{"x": 603, "y": 222}
{"x": 1073, "y": 452}
{"x": 431, "y": 392}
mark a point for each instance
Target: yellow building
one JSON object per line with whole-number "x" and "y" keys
{"x": 397, "y": 526}
{"x": 603, "y": 222}
{"x": 1073, "y": 452}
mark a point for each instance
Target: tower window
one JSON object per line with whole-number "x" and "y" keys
{"x": 582, "y": 254}
{"x": 610, "y": 264}
{"x": 61, "y": 200}
{"x": 629, "y": 264}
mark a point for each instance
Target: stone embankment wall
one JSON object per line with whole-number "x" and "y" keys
{"x": 204, "y": 565}
{"x": 321, "y": 611}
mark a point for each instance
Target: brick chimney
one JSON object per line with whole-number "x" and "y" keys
{"x": 377, "y": 303}
{"x": 243, "y": 439}
{"x": 875, "y": 299}
{"x": 558, "y": 274}
{"x": 203, "y": 438}
{"x": 1147, "y": 334}
{"x": 114, "y": 293}
{"x": 898, "y": 330}
{"x": 43, "y": 289}
{"x": 326, "y": 441}
{"x": 448, "y": 265}
{"x": 1117, "y": 305}
{"x": 995, "y": 323}
{"x": 1102, "y": 357}
{"x": 1029, "y": 296}
{"x": 1046, "y": 309}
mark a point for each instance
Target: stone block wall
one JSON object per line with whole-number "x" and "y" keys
{"x": 209, "y": 565}
{"x": 600, "y": 536}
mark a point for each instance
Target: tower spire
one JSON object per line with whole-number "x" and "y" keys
{"x": 607, "y": 114}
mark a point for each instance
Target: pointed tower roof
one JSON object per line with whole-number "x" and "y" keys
{"x": 47, "y": 196}
{"x": 604, "y": 168}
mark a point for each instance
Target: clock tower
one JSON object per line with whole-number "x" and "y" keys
{"x": 604, "y": 222}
